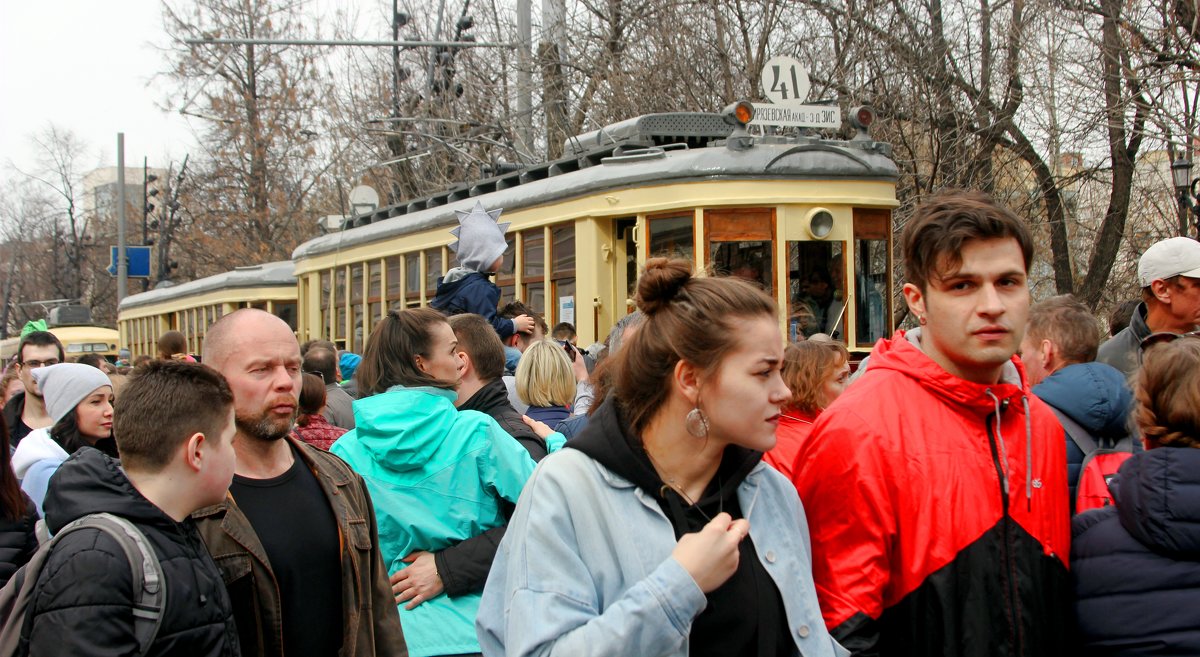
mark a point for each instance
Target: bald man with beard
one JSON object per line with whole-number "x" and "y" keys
{"x": 296, "y": 538}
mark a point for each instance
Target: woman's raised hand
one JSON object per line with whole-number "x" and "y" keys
{"x": 711, "y": 555}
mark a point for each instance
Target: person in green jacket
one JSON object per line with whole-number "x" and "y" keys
{"x": 437, "y": 476}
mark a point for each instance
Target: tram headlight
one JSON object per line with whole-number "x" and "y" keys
{"x": 820, "y": 223}
{"x": 738, "y": 114}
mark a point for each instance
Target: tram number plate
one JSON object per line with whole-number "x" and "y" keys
{"x": 807, "y": 116}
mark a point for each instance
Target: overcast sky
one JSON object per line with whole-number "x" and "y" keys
{"x": 89, "y": 66}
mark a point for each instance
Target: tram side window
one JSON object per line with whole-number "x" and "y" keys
{"x": 433, "y": 271}
{"x": 872, "y": 275}
{"x": 534, "y": 269}
{"x": 325, "y": 290}
{"x": 740, "y": 243}
{"x": 412, "y": 280}
{"x": 816, "y": 290}
{"x": 374, "y": 296}
{"x": 506, "y": 278}
{"x": 286, "y": 310}
{"x": 339, "y": 328}
{"x": 562, "y": 273}
{"x": 672, "y": 236}
{"x": 356, "y": 306}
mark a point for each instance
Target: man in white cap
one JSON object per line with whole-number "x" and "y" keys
{"x": 1169, "y": 275}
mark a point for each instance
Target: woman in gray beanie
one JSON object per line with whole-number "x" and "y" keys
{"x": 79, "y": 401}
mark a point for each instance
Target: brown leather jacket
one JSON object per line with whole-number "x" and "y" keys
{"x": 371, "y": 623}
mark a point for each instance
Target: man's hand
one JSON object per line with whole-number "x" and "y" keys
{"x": 418, "y": 582}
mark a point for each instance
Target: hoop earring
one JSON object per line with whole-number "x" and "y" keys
{"x": 697, "y": 423}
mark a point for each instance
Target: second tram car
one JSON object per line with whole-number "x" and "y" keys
{"x": 191, "y": 307}
{"x": 808, "y": 219}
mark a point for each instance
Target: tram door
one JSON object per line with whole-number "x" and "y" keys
{"x": 740, "y": 242}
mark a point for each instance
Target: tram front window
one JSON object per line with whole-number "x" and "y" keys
{"x": 750, "y": 261}
{"x": 816, "y": 290}
{"x": 872, "y": 280}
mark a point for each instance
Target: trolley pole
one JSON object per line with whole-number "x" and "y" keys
{"x": 122, "y": 266}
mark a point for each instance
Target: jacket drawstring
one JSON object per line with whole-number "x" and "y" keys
{"x": 1000, "y": 442}
{"x": 1028, "y": 455}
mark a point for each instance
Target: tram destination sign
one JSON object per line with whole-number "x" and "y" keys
{"x": 804, "y": 116}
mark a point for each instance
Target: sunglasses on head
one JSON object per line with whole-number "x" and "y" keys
{"x": 1164, "y": 337}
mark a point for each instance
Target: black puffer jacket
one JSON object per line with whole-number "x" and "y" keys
{"x": 1136, "y": 565}
{"x": 83, "y": 604}
{"x": 18, "y": 540}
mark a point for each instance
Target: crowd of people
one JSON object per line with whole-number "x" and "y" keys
{"x": 992, "y": 481}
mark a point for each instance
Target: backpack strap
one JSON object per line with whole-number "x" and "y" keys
{"x": 149, "y": 588}
{"x": 1080, "y": 436}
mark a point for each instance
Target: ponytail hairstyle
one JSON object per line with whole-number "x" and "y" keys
{"x": 689, "y": 318}
{"x": 390, "y": 358}
{"x": 1167, "y": 388}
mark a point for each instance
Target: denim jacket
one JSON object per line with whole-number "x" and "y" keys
{"x": 370, "y": 624}
{"x": 585, "y": 568}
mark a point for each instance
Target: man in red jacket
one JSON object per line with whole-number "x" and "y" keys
{"x": 935, "y": 487}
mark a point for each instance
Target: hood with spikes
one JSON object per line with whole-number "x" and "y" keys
{"x": 480, "y": 238}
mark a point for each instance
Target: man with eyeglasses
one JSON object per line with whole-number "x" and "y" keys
{"x": 26, "y": 410}
{"x": 1169, "y": 274}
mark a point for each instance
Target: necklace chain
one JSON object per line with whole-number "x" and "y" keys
{"x": 669, "y": 483}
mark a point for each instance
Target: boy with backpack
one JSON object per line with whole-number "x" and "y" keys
{"x": 96, "y": 591}
{"x": 1091, "y": 400}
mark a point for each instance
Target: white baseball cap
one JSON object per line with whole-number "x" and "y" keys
{"x": 1177, "y": 256}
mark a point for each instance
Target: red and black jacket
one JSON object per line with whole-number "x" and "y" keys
{"x": 938, "y": 513}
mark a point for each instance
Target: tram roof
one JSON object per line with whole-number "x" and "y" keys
{"x": 265, "y": 275}
{"x": 621, "y": 165}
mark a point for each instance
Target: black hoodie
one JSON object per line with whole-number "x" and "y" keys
{"x": 83, "y": 604}
{"x": 745, "y": 615}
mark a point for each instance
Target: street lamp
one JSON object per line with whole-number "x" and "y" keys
{"x": 1185, "y": 187}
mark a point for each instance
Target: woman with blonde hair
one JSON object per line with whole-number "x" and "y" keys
{"x": 657, "y": 531}
{"x": 816, "y": 372}
{"x": 1136, "y": 564}
{"x": 546, "y": 382}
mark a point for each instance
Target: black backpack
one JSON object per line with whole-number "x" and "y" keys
{"x": 149, "y": 587}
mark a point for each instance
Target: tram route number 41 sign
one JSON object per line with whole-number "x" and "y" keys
{"x": 785, "y": 84}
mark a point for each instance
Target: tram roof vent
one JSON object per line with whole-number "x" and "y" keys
{"x": 696, "y": 129}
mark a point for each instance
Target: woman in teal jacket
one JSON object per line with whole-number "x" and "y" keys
{"x": 436, "y": 475}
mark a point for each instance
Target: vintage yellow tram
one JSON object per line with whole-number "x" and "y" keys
{"x": 807, "y": 218}
{"x": 191, "y": 307}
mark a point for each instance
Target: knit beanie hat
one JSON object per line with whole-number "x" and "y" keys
{"x": 64, "y": 385}
{"x": 480, "y": 238}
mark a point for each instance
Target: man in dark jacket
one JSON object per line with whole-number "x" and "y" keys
{"x": 174, "y": 428}
{"x": 482, "y": 388}
{"x": 26, "y": 410}
{"x": 1058, "y": 352}
{"x": 1169, "y": 275}
{"x": 296, "y": 539}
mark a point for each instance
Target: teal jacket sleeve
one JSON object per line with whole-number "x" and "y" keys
{"x": 505, "y": 465}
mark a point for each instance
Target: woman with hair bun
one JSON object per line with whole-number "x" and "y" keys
{"x": 658, "y": 530}
{"x": 1136, "y": 564}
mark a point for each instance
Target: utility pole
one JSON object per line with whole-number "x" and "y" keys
{"x": 122, "y": 264}
{"x": 525, "y": 78}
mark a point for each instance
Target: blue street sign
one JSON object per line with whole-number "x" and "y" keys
{"x": 137, "y": 262}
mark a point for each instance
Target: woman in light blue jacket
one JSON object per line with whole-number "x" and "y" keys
{"x": 437, "y": 476}
{"x": 658, "y": 531}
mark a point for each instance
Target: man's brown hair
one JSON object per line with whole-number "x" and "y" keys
{"x": 943, "y": 223}
{"x": 171, "y": 343}
{"x": 477, "y": 337}
{"x": 1067, "y": 323}
{"x": 164, "y": 403}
